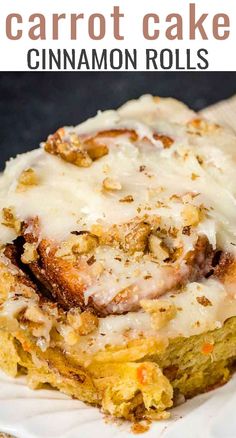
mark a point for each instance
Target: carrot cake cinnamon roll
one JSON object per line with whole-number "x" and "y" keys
{"x": 117, "y": 259}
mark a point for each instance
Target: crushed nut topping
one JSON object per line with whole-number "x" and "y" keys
{"x": 10, "y": 220}
{"x": 186, "y": 230}
{"x": 84, "y": 244}
{"x": 89, "y": 323}
{"x": 91, "y": 260}
{"x": 201, "y": 127}
{"x": 157, "y": 248}
{"x": 94, "y": 149}
{"x": 142, "y": 168}
{"x": 69, "y": 152}
{"x": 77, "y": 245}
{"x": 76, "y": 151}
{"x": 194, "y": 176}
{"x": 166, "y": 141}
{"x": 84, "y": 323}
{"x": 200, "y": 160}
{"x": 162, "y": 311}
{"x": 111, "y": 184}
{"x": 128, "y": 198}
{"x": 97, "y": 230}
{"x": 204, "y": 301}
{"x": 27, "y": 178}
{"x": 190, "y": 215}
{"x": 30, "y": 253}
{"x": 82, "y": 151}
{"x": 131, "y": 236}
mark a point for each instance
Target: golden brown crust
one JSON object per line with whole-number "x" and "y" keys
{"x": 62, "y": 277}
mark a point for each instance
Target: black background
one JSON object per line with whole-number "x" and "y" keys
{"x": 32, "y": 105}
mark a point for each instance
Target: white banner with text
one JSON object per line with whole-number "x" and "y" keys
{"x": 117, "y": 35}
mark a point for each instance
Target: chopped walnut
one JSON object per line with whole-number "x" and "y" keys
{"x": 186, "y": 230}
{"x": 71, "y": 153}
{"x": 142, "y": 168}
{"x": 131, "y": 236}
{"x": 157, "y": 248}
{"x": 91, "y": 260}
{"x": 95, "y": 150}
{"x": 165, "y": 140}
{"x": 84, "y": 323}
{"x": 204, "y": 301}
{"x": 97, "y": 230}
{"x": 30, "y": 253}
{"x": 200, "y": 160}
{"x": 27, "y": 179}
{"x": 162, "y": 311}
{"x": 191, "y": 215}
{"x": 194, "y": 176}
{"x": 10, "y": 220}
{"x": 89, "y": 323}
{"x": 128, "y": 198}
{"x": 77, "y": 151}
{"x": 77, "y": 245}
{"x": 84, "y": 243}
{"x": 111, "y": 184}
{"x": 201, "y": 127}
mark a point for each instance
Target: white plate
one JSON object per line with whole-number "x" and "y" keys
{"x": 49, "y": 414}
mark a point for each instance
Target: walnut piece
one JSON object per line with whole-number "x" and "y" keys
{"x": 204, "y": 301}
{"x": 131, "y": 236}
{"x": 75, "y": 150}
{"x": 201, "y": 127}
{"x": 165, "y": 140}
{"x": 10, "y": 220}
{"x": 95, "y": 150}
{"x": 84, "y": 323}
{"x": 111, "y": 184}
{"x": 162, "y": 311}
{"x": 89, "y": 323}
{"x": 30, "y": 253}
{"x": 27, "y": 179}
{"x": 84, "y": 243}
{"x": 69, "y": 152}
{"x": 157, "y": 248}
{"x": 77, "y": 245}
{"x": 128, "y": 198}
{"x": 97, "y": 230}
{"x": 190, "y": 215}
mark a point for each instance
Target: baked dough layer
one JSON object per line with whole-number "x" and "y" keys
{"x": 128, "y": 389}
